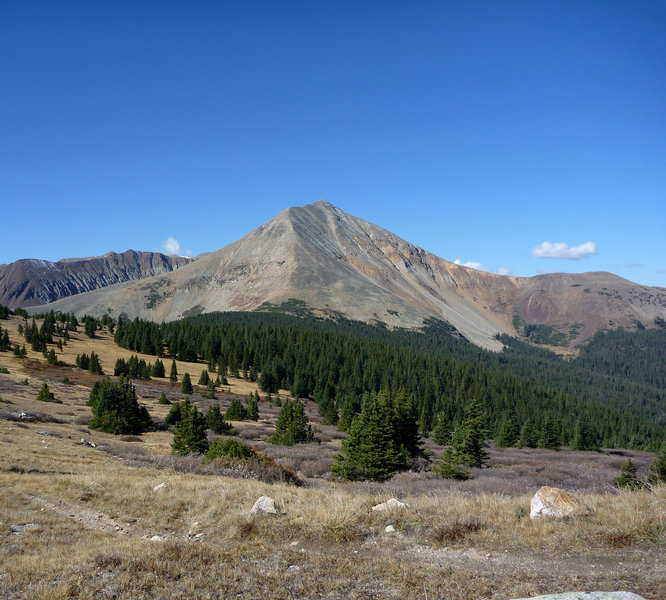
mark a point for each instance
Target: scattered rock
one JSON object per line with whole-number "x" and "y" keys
{"x": 588, "y": 596}
{"x": 391, "y": 504}
{"x": 159, "y": 487}
{"x": 157, "y": 538}
{"x": 389, "y": 529}
{"x": 556, "y": 504}
{"x": 19, "y": 529}
{"x": 265, "y": 504}
{"x": 293, "y": 569}
{"x": 85, "y": 442}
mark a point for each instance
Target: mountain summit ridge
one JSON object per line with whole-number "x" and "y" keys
{"x": 340, "y": 264}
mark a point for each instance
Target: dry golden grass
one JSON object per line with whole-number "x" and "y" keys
{"x": 95, "y": 511}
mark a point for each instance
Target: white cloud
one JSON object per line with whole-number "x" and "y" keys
{"x": 561, "y": 250}
{"x": 471, "y": 264}
{"x": 172, "y": 246}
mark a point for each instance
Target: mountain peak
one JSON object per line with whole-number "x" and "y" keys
{"x": 339, "y": 264}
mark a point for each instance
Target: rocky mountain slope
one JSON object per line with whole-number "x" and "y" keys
{"x": 31, "y": 282}
{"x": 338, "y": 263}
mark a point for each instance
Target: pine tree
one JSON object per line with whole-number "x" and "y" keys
{"x": 46, "y": 395}
{"x": 469, "y": 438}
{"x": 451, "y": 467}
{"x": 657, "y": 470}
{"x": 508, "y": 431}
{"x": 204, "y": 378}
{"x": 173, "y": 375}
{"x": 405, "y": 425}
{"x": 528, "y": 435}
{"x": 628, "y": 477}
{"x": 369, "y": 451}
{"x": 189, "y": 433}
{"x": 584, "y": 437}
{"x": 116, "y": 409}
{"x": 163, "y": 399}
{"x": 158, "y": 369}
{"x": 292, "y": 425}
{"x": 550, "y": 437}
{"x": 186, "y": 384}
{"x": 215, "y": 420}
{"x": 441, "y": 434}
{"x": 236, "y": 411}
{"x": 252, "y": 407}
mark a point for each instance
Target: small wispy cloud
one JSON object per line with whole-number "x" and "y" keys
{"x": 172, "y": 246}
{"x": 472, "y": 264}
{"x": 630, "y": 265}
{"x": 562, "y": 250}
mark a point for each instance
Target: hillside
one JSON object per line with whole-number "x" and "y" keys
{"x": 32, "y": 282}
{"x": 129, "y": 519}
{"x": 339, "y": 264}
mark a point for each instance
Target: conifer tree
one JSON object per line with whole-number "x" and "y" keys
{"x": 252, "y": 407}
{"x": 657, "y": 470}
{"x": 236, "y": 411}
{"x": 215, "y": 420}
{"x": 46, "y": 395}
{"x": 528, "y": 435}
{"x": 292, "y": 426}
{"x": 441, "y": 434}
{"x": 451, "y": 467}
{"x": 173, "y": 375}
{"x": 204, "y": 378}
{"x": 116, "y": 409}
{"x": 469, "y": 438}
{"x": 628, "y": 477}
{"x": 508, "y": 430}
{"x": 186, "y": 384}
{"x": 584, "y": 438}
{"x": 158, "y": 369}
{"x": 369, "y": 451}
{"x": 189, "y": 433}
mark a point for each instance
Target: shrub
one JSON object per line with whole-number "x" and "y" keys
{"x": 163, "y": 399}
{"x": 45, "y": 395}
{"x": 230, "y": 448}
{"x": 451, "y": 467}
{"x": 116, "y": 409}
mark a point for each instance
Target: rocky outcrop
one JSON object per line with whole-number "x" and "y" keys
{"x": 31, "y": 282}
{"x": 556, "y": 504}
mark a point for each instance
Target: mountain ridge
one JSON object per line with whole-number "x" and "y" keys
{"x": 339, "y": 263}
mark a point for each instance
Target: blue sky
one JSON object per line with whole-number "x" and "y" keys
{"x": 524, "y": 137}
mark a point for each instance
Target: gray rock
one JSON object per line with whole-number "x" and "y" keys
{"x": 587, "y": 596}
{"x": 389, "y": 529}
{"x": 157, "y": 538}
{"x": 159, "y": 487}
{"x": 19, "y": 529}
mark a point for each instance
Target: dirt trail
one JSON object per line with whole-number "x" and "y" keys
{"x": 92, "y": 519}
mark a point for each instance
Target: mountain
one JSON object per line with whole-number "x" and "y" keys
{"x": 339, "y": 264}
{"x": 32, "y": 282}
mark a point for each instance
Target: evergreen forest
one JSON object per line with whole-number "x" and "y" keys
{"x": 611, "y": 395}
